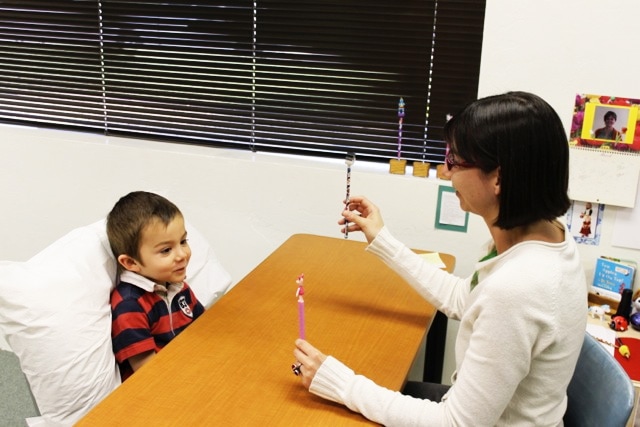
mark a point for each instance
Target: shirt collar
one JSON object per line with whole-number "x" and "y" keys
{"x": 144, "y": 283}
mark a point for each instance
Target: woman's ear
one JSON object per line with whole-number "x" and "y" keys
{"x": 497, "y": 181}
{"x": 129, "y": 263}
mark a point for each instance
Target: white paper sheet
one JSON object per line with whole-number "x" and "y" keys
{"x": 626, "y": 232}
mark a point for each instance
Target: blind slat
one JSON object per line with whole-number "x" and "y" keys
{"x": 296, "y": 76}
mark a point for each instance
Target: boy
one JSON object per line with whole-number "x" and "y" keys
{"x": 151, "y": 303}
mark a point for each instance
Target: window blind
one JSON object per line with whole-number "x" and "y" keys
{"x": 50, "y": 71}
{"x": 309, "y": 77}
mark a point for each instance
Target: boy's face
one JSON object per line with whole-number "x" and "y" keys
{"x": 164, "y": 252}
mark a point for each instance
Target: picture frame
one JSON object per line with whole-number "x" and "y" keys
{"x": 584, "y": 221}
{"x": 594, "y": 119}
{"x": 589, "y": 129}
{"x": 449, "y": 215}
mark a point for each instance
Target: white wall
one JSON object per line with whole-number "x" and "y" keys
{"x": 558, "y": 49}
{"x": 247, "y": 205}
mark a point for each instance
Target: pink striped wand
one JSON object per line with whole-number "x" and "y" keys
{"x": 299, "y": 294}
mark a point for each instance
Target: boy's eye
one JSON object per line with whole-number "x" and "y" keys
{"x": 184, "y": 242}
{"x": 165, "y": 251}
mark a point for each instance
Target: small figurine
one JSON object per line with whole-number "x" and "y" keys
{"x": 598, "y": 311}
{"x": 619, "y": 323}
{"x": 635, "y": 303}
{"x": 299, "y": 296}
{"x": 623, "y": 349}
{"x": 635, "y": 321}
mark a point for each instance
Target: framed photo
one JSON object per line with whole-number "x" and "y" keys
{"x": 606, "y": 122}
{"x": 609, "y": 122}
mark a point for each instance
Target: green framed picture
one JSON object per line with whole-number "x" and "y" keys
{"x": 449, "y": 216}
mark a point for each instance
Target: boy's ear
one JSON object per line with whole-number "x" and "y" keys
{"x": 129, "y": 263}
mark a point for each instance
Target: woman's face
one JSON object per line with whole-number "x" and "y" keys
{"x": 609, "y": 121}
{"x": 477, "y": 191}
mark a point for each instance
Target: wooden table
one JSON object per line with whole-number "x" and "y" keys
{"x": 233, "y": 365}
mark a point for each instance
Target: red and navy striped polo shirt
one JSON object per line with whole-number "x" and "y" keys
{"x": 144, "y": 320}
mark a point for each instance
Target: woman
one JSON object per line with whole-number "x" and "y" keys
{"x": 609, "y": 132}
{"x": 522, "y": 313}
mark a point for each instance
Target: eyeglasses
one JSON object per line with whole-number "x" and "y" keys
{"x": 451, "y": 162}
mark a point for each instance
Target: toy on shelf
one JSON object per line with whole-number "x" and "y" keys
{"x": 623, "y": 349}
{"x": 634, "y": 321}
{"x": 599, "y": 311}
{"x": 619, "y": 323}
{"x": 635, "y": 303}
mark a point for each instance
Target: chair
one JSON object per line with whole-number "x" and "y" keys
{"x": 600, "y": 392}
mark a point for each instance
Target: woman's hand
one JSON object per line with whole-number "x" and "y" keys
{"x": 362, "y": 215}
{"x": 310, "y": 359}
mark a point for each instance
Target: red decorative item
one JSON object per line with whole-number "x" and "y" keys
{"x": 630, "y": 364}
{"x": 619, "y": 323}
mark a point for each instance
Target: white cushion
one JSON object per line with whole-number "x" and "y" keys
{"x": 56, "y": 317}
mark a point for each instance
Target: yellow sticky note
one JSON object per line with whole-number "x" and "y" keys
{"x": 433, "y": 258}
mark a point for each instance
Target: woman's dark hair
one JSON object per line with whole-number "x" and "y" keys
{"x": 611, "y": 114}
{"x": 522, "y": 135}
